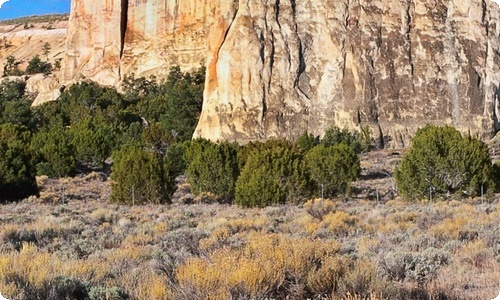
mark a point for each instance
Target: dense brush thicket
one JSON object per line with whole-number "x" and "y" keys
{"x": 82, "y": 129}
{"x": 274, "y": 172}
{"x": 147, "y": 130}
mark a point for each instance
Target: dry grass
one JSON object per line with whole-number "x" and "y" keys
{"x": 324, "y": 249}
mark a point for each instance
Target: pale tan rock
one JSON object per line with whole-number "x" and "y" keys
{"x": 46, "y": 88}
{"x": 94, "y": 42}
{"x": 161, "y": 34}
{"x": 289, "y": 66}
{"x": 278, "y": 68}
{"x": 24, "y": 44}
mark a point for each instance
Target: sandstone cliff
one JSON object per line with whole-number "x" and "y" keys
{"x": 289, "y": 66}
{"x": 276, "y": 68}
{"x": 110, "y": 40}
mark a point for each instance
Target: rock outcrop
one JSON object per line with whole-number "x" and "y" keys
{"x": 24, "y": 41}
{"x": 95, "y": 41}
{"x": 276, "y": 68}
{"x": 110, "y": 40}
{"x": 284, "y": 67}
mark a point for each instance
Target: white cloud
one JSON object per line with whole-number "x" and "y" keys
{"x": 1, "y": 3}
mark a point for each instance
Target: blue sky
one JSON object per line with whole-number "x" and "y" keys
{"x": 20, "y": 8}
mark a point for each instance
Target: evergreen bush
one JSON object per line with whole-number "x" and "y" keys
{"x": 273, "y": 175}
{"x": 213, "y": 168}
{"x": 17, "y": 173}
{"x": 443, "y": 163}
{"x": 358, "y": 141}
{"x": 138, "y": 177}
{"x": 333, "y": 169}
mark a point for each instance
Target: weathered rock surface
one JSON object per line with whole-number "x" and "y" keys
{"x": 95, "y": 41}
{"x": 24, "y": 43}
{"x": 289, "y": 66}
{"x": 46, "y": 88}
{"x": 276, "y": 68}
{"x": 108, "y": 41}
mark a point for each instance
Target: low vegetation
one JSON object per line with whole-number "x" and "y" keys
{"x": 115, "y": 217}
{"x": 80, "y": 132}
{"x": 444, "y": 164}
{"x": 50, "y": 18}
{"x": 324, "y": 249}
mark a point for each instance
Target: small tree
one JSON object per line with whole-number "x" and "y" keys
{"x": 138, "y": 177}
{"x": 213, "y": 167}
{"x": 17, "y": 173}
{"x": 444, "y": 163}
{"x": 36, "y": 65}
{"x": 11, "y": 67}
{"x": 57, "y": 64}
{"x": 333, "y": 168}
{"x": 358, "y": 141}
{"x": 272, "y": 176}
{"x": 183, "y": 102}
{"x": 46, "y": 49}
{"x": 56, "y": 154}
{"x": 93, "y": 140}
{"x": 307, "y": 141}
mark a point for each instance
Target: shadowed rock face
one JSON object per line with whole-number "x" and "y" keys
{"x": 276, "y": 68}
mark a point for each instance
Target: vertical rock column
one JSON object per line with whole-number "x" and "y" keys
{"x": 95, "y": 41}
{"x": 164, "y": 33}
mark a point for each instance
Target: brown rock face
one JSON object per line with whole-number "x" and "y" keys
{"x": 276, "y": 68}
{"x": 284, "y": 67}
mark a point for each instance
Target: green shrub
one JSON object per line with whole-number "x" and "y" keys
{"x": 213, "y": 168}
{"x": 183, "y": 101}
{"x": 307, "y": 141}
{"x": 56, "y": 154}
{"x": 17, "y": 173}
{"x": 358, "y": 141}
{"x": 333, "y": 168}
{"x": 36, "y": 65}
{"x": 138, "y": 177}
{"x": 157, "y": 138}
{"x": 174, "y": 159}
{"x": 93, "y": 140}
{"x": 112, "y": 293}
{"x": 275, "y": 175}
{"x": 15, "y": 106}
{"x": 443, "y": 162}
{"x": 11, "y": 67}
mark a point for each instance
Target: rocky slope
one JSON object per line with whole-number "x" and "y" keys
{"x": 25, "y": 38}
{"x": 276, "y": 68}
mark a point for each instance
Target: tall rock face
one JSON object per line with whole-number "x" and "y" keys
{"x": 276, "y": 68}
{"x": 283, "y": 67}
{"x": 95, "y": 41}
{"x": 163, "y": 33}
{"x": 112, "y": 39}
